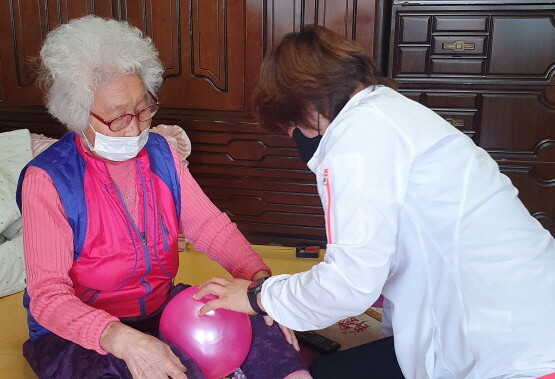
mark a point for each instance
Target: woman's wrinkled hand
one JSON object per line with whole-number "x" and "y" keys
{"x": 145, "y": 355}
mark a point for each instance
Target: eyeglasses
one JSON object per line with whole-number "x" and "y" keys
{"x": 121, "y": 122}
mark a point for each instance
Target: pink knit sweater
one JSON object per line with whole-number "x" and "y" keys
{"x": 48, "y": 250}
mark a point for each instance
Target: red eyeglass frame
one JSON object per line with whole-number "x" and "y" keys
{"x": 109, "y": 123}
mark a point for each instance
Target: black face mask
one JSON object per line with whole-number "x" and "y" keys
{"x": 307, "y": 146}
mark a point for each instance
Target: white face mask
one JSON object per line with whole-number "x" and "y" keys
{"x": 117, "y": 148}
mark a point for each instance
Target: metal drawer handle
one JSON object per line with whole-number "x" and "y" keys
{"x": 459, "y": 46}
{"x": 455, "y": 123}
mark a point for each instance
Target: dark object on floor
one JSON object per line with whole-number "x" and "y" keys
{"x": 307, "y": 251}
{"x": 317, "y": 342}
{"x": 372, "y": 360}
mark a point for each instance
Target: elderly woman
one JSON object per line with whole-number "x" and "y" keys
{"x": 102, "y": 209}
{"x": 414, "y": 211}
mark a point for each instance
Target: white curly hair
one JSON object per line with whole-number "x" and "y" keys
{"x": 78, "y": 57}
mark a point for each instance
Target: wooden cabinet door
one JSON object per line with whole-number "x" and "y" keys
{"x": 201, "y": 45}
{"x": 488, "y": 70}
{"x": 23, "y": 27}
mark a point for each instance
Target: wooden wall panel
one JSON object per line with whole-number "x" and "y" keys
{"x": 351, "y": 18}
{"x": 535, "y": 36}
{"x": 23, "y": 42}
{"x": 518, "y": 120}
{"x": 105, "y": 8}
{"x": 337, "y": 16}
{"x": 158, "y": 19}
{"x": 257, "y": 179}
{"x": 23, "y": 27}
{"x": 28, "y": 37}
{"x": 281, "y": 17}
{"x": 1, "y": 86}
{"x": 209, "y": 41}
{"x": 213, "y": 57}
{"x": 535, "y": 182}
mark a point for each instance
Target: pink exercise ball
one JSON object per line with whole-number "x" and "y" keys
{"x": 218, "y": 341}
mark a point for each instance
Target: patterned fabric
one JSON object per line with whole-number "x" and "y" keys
{"x": 53, "y": 357}
{"x": 270, "y": 356}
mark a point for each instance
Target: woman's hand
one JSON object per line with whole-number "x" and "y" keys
{"x": 145, "y": 356}
{"x": 232, "y": 295}
{"x": 231, "y": 292}
{"x": 288, "y": 333}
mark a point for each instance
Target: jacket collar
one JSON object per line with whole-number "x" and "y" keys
{"x": 352, "y": 103}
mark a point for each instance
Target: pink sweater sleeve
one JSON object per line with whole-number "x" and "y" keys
{"x": 48, "y": 251}
{"x": 211, "y": 231}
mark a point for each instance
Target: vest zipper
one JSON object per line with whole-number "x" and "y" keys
{"x": 144, "y": 240}
{"x": 140, "y": 235}
{"x": 164, "y": 231}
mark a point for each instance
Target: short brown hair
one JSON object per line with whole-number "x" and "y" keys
{"x": 314, "y": 69}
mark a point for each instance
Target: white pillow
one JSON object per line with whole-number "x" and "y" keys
{"x": 9, "y": 212}
{"x": 15, "y": 153}
{"x": 12, "y": 273}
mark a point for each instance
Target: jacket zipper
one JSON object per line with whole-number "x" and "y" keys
{"x": 164, "y": 231}
{"x": 327, "y": 186}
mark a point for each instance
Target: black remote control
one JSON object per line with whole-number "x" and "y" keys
{"x": 317, "y": 342}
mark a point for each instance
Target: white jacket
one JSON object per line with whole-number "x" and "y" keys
{"x": 416, "y": 211}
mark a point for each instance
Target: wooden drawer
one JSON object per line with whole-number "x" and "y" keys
{"x": 440, "y": 66}
{"x": 413, "y": 60}
{"x": 459, "y": 109}
{"x": 460, "y": 23}
{"x": 498, "y": 43}
{"x": 515, "y": 123}
{"x": 451, "y": 100}
{"x": 415, "y": 29}
{"x": 458, "y": 45}
{"x": 464, "y": 121}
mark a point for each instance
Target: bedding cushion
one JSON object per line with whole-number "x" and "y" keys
{"x": 12, "y": 271}
{"x": 15, "y": 152}
{"x": 9, "y": 212}
{"x": 39, "y": 143}
{"x": 177, "y": 138}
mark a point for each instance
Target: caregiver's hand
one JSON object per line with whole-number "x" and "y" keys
{"x": 145, "y": 356}
{"x": 231, "y": 292}
{"x": 288, "y": 333}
